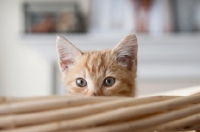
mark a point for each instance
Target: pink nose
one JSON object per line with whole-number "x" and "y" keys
{"x": 93, "y": 94}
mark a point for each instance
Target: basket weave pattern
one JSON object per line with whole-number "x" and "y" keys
{"x": 100, "y": 114}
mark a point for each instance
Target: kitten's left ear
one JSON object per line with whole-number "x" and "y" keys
{"x": 126, "y": 51}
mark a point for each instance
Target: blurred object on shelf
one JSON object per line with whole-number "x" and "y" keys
{"x": 51, "y": 17}
{"x": 144, "y": 16}
{"x": 184, "y": 20}
{"x": 46, "y": 24}
{"x": 155, "y": 17}
{"x": 66, "y": 22}
{"x": 197, "y": 14}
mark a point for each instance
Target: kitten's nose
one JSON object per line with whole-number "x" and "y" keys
{"x": 93, "y": 94}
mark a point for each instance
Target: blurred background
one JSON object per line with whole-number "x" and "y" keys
{"x": 168, "y": 34}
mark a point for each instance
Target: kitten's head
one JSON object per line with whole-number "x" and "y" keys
{"x": 99, "y": 73}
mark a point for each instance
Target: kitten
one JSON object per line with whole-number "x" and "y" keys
{"x": 99, "y": 73}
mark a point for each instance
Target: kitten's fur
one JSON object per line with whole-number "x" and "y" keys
{"x": 94, "y": 66}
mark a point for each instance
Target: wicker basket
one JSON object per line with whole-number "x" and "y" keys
{"x": 100, "y": 114}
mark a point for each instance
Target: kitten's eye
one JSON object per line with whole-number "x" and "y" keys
{"x": 109, "y": 81}
{"x": 81, "y": 82}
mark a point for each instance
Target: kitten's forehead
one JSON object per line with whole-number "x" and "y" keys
{"x": 97, "y": 62}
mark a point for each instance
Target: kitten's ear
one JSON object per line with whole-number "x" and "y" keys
{"x": 67, "y": 53}
{"x": 126, "y": 51}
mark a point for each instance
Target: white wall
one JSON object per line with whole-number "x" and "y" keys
{"x": 23, "y": 72}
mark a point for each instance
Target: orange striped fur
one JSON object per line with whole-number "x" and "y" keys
{"x": 119, "y": 63}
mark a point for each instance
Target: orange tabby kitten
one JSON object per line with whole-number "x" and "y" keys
{"x": 99, "y": 73}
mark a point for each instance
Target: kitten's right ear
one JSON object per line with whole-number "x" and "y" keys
{"x": 67, "y": 52}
